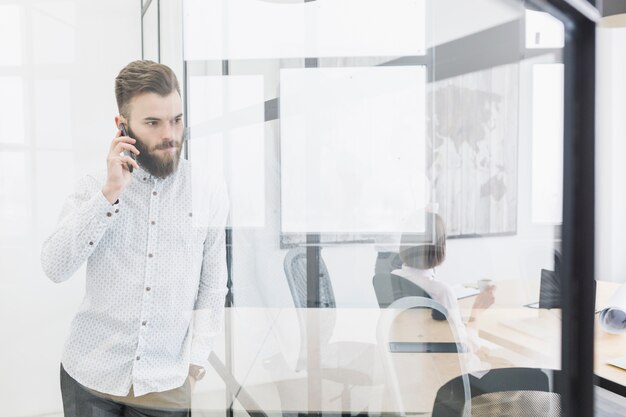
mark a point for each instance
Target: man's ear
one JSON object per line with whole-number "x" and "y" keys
{"x": 117, "y": 121}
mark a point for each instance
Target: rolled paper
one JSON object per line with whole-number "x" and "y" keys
{"x": 613, "y": 316}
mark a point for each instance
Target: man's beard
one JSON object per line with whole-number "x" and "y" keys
{"x": 160, "y": 165}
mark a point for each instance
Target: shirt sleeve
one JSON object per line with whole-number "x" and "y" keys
{"x": 209, "y": 307}
{"x": 85, "y": 217}
{"x": 445, "y": 295}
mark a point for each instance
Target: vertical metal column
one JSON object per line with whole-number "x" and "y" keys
{"x": 313, "y": 325}
{"x": 578, "y": 295}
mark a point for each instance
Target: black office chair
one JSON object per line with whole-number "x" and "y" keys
{"x": 511, "y": 392}
{"x": 428, "y": 368}
{"x": 391, "y": 287}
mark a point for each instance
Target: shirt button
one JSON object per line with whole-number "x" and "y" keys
{"x": 147, "y": 288}
{"x": 144, "y": 178}
{"x": 154, "y": 193}
{"x": 117, "y": 210}
{"x": 150, "y": 255}
{"x": 138, "y": 357}
{"x": 153, "y": 222}
{"x": 143, "y": 323}
{"x": 190, "y": 214}
{"x": 109, "y": 214}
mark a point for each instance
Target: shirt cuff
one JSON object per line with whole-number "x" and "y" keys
{"x": 200, "y": 354}
{"x": 105, "y": 211}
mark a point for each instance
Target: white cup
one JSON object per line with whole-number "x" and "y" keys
{"x": 483, "y": 284}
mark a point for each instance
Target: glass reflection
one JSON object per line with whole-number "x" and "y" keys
{"x": 327, "y": 160}
{"x": 15, "y": 213}
{"x": 228, "y": 137}
{"x": 54, "y": 32}
{"x": 53, "y": 108}
{"x": 150, "y": 34}
{"x": 352, "y": 148}
{"x": 258, "y": 29}
{"x": 362, "y": 143}
{"x": 547, "y": 143}
{"x": 10, "y": 35}
{"x": 12, "y": 120}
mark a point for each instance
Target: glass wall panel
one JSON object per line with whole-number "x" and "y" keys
{"x": 10, "y": 34}
{"x": 12, "y": 121}
{"x": 347, "y": 134}
{"x": 54, "y": 30}
{"x": 171, "y": 35}
{"x": 396, "y": 219}
{"x": 58, "y": 60}
{"x": 253, "y": 29}
{"x": 610, "y": 203}
{"x": 150, "y": 32}
{"x": 396, "y": 196}
{"x": 547, "y": 143}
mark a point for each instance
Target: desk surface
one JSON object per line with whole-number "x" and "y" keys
{"x": 346, "y": 372}
{"x": 546, "y": 349}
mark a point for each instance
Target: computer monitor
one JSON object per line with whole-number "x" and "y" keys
{"x": 550, "y": 290}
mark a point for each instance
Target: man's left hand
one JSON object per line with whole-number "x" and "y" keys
{"x": 196, "y": 373}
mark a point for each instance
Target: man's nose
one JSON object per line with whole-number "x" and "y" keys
{"x": 168, "y": 131}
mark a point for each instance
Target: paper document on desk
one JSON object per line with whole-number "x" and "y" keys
{"x": 613, "y": 316}
{"x": 461, "y": 291}
{"x": 618, "y": 362}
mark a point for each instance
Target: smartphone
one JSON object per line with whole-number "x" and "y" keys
{"x": 127, "y": 153}
{"x": 427, "y": 347}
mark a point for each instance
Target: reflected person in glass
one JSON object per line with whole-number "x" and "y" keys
{"x": 421, "y": 254}
{"x": 155, "y": 269}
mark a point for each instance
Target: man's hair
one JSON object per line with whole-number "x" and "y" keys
{"x": 140, "y": 77}
{"x": 427, "y": 250}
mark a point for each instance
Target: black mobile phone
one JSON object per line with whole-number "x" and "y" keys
{"x": 427, "y": 347}
{"x": 127, "y": 153}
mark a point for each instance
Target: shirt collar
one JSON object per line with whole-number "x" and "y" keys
{"x": 410, "y": 271}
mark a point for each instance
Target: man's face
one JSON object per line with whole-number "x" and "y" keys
{"x": 156, "y": 123}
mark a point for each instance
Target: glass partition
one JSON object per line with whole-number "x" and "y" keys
{"x": 359, "y": 140}
{"x": 409, "y": 200}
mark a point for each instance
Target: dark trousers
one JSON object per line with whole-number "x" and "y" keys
{"x": 80, "y": 401}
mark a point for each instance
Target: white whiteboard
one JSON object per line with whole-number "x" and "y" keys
{"x": 352, "y": 149}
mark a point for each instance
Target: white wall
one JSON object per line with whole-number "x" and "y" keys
{"x": 611, "y": 149}
{"x": 449, "y": 18}
{"x": 63, "y": 57}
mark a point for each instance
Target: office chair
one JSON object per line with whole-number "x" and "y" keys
{"x": 348, "y": 363}
{"x": 511, "y": 392}
{"x": 425, "y": 361}
{"x": 296, "y": 274}
{"x": 390, "y": 287}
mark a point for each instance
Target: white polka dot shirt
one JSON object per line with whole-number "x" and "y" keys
{"x": 155, "y": 284}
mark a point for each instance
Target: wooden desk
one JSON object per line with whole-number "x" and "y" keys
{"x": 546, "y": 349}
{"x": 267, "y": 347}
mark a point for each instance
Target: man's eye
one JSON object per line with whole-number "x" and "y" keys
{"x": 151, "y": 123}
{"x": 178, "y": 121}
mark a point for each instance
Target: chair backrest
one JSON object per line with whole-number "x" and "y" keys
{"x": 295, "y": 265}
{"x": 426, "y": 361}
{"x": 514, "y": 392}
{"x": 391, "y": 287}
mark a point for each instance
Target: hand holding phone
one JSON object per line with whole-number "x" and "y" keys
{"x": 120, "y": 163}
{"x": 127, "y": 152}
